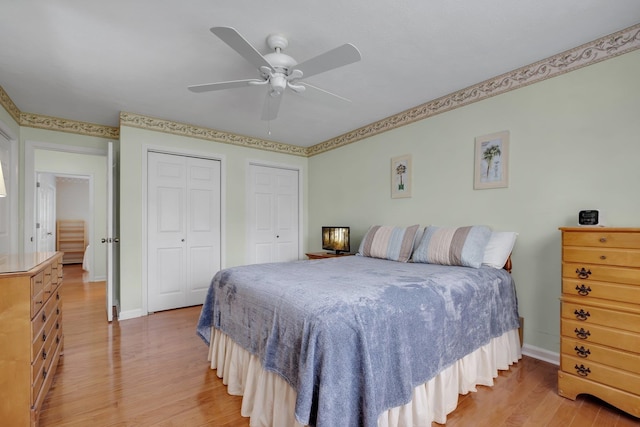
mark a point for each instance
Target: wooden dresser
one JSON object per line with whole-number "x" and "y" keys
{"x": 31, "y": 338}
{"x": 600, "y": 315}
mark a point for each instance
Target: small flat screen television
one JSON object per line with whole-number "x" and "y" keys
{"x": 335, "y": 239}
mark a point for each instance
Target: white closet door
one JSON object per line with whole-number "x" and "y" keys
{"x": 183, "y": 229}
{"x": 203, "y": 227}
{"x": 272, "y": 214}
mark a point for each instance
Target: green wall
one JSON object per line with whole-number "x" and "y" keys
{"x": 574, "y": 144}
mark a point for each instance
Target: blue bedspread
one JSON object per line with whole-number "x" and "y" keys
{"x": 354, "y": 335}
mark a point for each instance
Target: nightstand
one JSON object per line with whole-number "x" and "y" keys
{"x": 320, "y": 255}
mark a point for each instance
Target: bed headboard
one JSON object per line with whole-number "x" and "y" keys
{"x": 507, "y": 265}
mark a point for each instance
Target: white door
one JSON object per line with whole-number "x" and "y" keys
{"x": 272, "y": 214}
{"x": 7, "y": 228}
{"x": 46, "y": 211}
{"x": 112, "y": 239}
{"x": 183, "y": 229}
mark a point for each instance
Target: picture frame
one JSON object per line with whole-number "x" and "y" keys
{"x": 401, "y": 170}
{"x": 491, "y": 161}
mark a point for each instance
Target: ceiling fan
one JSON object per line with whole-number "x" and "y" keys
{"x": 279, "y": 71}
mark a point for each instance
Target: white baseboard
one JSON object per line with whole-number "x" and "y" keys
{"x": 541, "y": 354}
{"x": 130, "y": 314}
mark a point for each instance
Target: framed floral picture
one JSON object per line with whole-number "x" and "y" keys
{"x": 401, "y": 176}
{"x": 492, "y": 161}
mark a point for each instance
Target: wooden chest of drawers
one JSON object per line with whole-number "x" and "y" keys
{"x": 31, "y": 339}
{"x": 600, "y": 315}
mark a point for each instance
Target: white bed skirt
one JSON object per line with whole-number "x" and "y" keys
{"x": 269, "y": 401}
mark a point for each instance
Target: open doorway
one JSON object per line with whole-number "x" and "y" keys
{"x": 65, "y": 218}
{"x": 74, "y": 161}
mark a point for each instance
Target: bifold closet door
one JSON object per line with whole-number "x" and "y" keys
{"x": 273, "y": 214}
{"x": 183, "y": 212}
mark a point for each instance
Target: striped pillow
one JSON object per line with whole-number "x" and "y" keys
{"x": 463, "y": 246}
{"x": 392, "y": 243}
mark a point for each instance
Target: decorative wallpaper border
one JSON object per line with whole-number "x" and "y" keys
{"x": 8, "y": 105}
{"x": 70, "y": 126}
{"x": 590, "y": 53}
{"x": 184, "y": 129}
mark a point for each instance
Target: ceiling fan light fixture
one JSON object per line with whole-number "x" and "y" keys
{"x": 278, "y": 82}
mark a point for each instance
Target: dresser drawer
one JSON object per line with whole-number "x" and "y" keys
{"x": 603, "y": 374}
{"x": 41, "y": 365}
{"x": 604, "y": 290}
{"x": 589, "y": 351}
{"x": 602, "y": 239}
{"x": 48, "y": 327}
{"x": 615, "y": 338}
{"x": 37, "y": 302}
{"x": 603, "y": 256}
{"x": 601, "y": 273}
{"x": 37, "y": 283}
{"x": 589, "y": 314}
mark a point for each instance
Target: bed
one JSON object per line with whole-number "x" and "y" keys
{"x": 367, "y": 340}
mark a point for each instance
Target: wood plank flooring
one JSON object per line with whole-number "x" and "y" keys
{"x": 153, "y": 371}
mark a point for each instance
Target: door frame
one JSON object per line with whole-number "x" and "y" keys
{"x": 263, "y": 163}
{"x": 15, "y": 238}
{"x": 146, "y": 148}
{"x": 30, "y": 182}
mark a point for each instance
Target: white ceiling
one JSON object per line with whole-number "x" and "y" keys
{"x": 88, "y": 60}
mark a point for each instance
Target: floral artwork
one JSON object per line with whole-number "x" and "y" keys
{"x": 401, "y": 177}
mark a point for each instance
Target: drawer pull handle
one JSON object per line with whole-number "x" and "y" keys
{"x": 44, "y": 355}
{"x": 582, "y": 352}
{"x": 603, "y": 257}
{"x": 582, "y": 370}
{"x": 583, "y": 273}
{"x": 57, "y": 325}
{"x": 57, "y": 340}
{"x": 44, "y": 317}
{"x": 44, "y": 373}
{"x": 44, "y": 336}
{"x": 582, "y": 334}
{"x": 583, "y": 290}
{"x": 58, "y": 295}
{"x": 581, "y": 314}
{"x": 603, "y": 240}
{"x": 58, "y": 310}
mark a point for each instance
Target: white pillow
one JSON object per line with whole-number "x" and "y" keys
{"x": 499, "y": 248}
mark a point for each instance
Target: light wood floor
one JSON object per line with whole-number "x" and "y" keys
{"x": 153, "y": 371}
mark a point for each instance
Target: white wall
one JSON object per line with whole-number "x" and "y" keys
{"x": 72, "y": 198}
{"x": 575, "y": 144}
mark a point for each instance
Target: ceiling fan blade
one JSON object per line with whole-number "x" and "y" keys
{"x": 314, "y": 93}
{"x": 238, "y": 43}
{"x": 338, "y": 57}
{"x": 271, "y": 106}
{"x": 207, "y": 87}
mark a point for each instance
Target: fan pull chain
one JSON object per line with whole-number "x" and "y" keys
{"x": 269, "y": 115}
